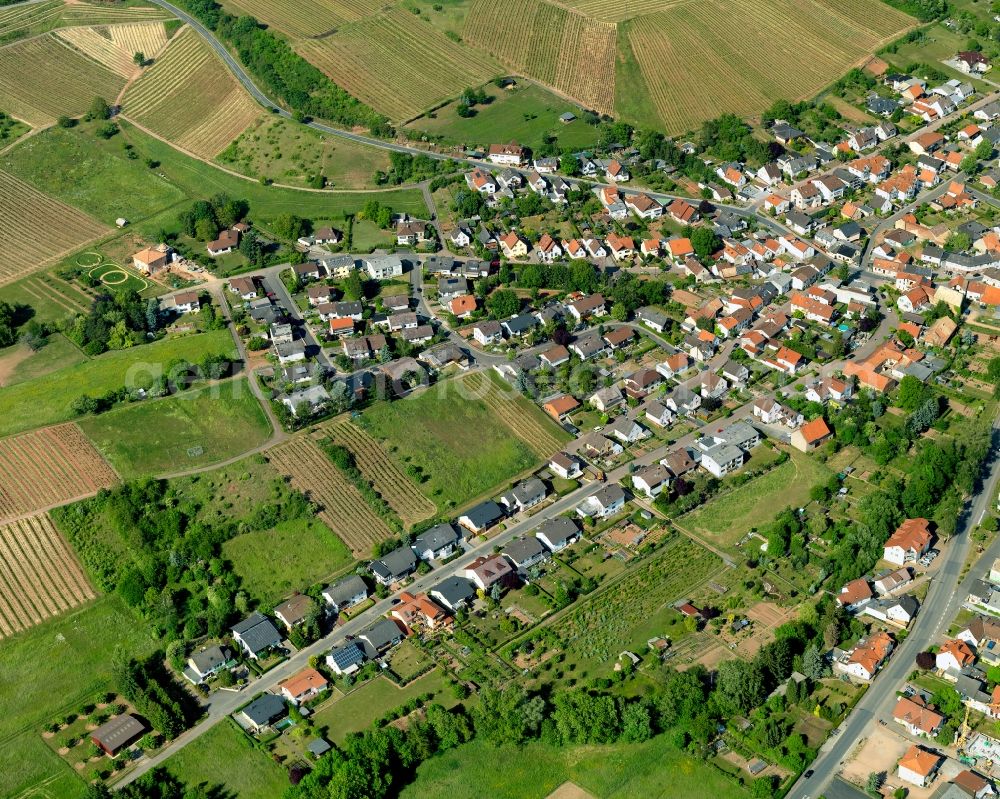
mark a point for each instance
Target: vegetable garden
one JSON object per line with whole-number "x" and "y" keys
{"x": 599, "y": 627}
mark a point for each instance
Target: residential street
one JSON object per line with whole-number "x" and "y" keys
{"x": 942, "y": 603}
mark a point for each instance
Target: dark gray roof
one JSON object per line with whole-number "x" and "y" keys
{"x": 350, "y": 654}
{"x": 437, "y": 537}
{"x": 558, "y": 530}
{"x": 908, "y": 603}
{"x": 397, "y": 563}
{"x": 346, "y": 589}
{"x": 381, "y": 634}
{"x": 455, "y": 590}
{"x": 265, "y": 709}
{"x": 318, "y": 747}
{"x": 523, "y": 550}
{"x": 520, "y": 324}
{"x": 484, "y": 514}
{"x": 257, "y": 632}
{"x": 529, "y": 490}
{"x": 210, "y": 658}
{"x": 119, "y": 731}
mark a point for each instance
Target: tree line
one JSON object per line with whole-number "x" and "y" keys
{"x": 284, "y": 73}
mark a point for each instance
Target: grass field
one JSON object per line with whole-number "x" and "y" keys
{"x": 26, "y": 365}
{"x": 47, "y": 400}
{"x": 98, "y": 177}
{"x": 290, "y": 557}
{"x": 37, "y": 229}
{"x": 191, "y": 98}
{"x": 357, "y": 710}
{"x": 726, "y": 519}
{"x": 526, "y": 114}
{"x": 225, "y": 763}
{"x": 44, "y": 78}
{"x": 462, "y": 447}
{"x": 291, "y": 154}
{"x": 51, "y": 298}
{"x": 182, "y": 432}
{"x": 198, "y": 180}
{"x": 397, "y": 63}
{"x": 655, "y": 769}
{"x": 384, "y": 474}
{"x": 36, "y": 662}
{"x": 91, "y": 174}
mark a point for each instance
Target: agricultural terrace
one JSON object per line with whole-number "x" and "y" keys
{"x": 49, "y": 467}
{"x": 190, "y": 98}
{"x": 44, "y": 78}
{"x": 397, "y": 63}
{"x": 342, "y": 508}
{"x": 381, "y": 471}
{"x": 303, "y": 18}
{"x": 37, "y": 229}
{"x": 84, "y": 13}
{"x": 40, "y": 576}
{"x": 619, "y": 615}
{"x": 551, "y": 44}
{"x": 656, "y": 768}
{"x": 454, "y": 440}
{"x": 185, "y": 431}
{"x": 48, "y": 399}
{"x": 524, "y": 418}
{"x": 289, "y": 557}
{"x": 725, "y": 519}
{"x": 22, "y": 20}
{"x": 691, "y": 45}
{"x": 115, "y": 46}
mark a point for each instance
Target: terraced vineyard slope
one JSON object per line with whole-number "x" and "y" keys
{"x": 44, "y": 78}
{"x": 114, "y": 46}
{"x": 397, "y": 63}
{"x": 37, "y": 229}
{"x": 40, "y": 576}
{"x": 381, "y": 470}
{"x": 342, "y": 508}
{"x": 46, "y": 467}
{"x": 190, "y": 98}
